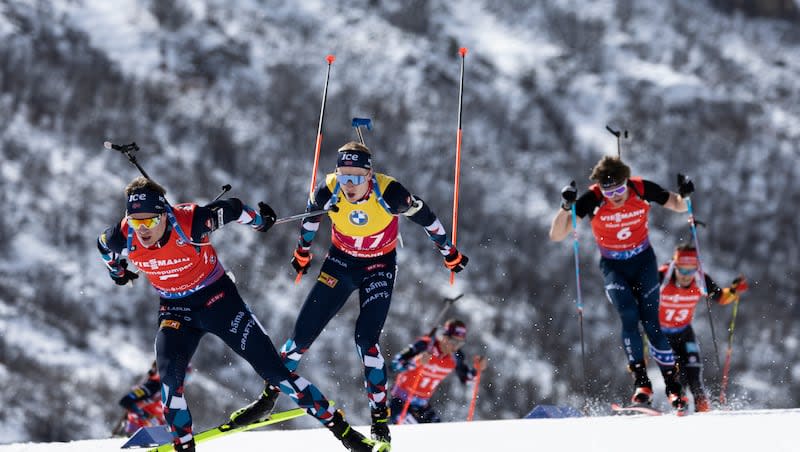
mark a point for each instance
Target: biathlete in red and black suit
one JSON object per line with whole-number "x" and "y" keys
{"x": 171, "y": 246}
{"x": 364, "y": 208}
{"x": 680, "y": 292}
{"x": 423, "y": 365}
{"x": 618, "y": 206}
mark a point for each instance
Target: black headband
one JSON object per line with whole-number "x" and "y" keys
{"x": 144, "y": 200}
{"x": 354, "y": 158}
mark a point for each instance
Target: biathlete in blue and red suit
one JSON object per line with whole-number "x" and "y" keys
{"x": 423, "y": 365}
{"x": 681, "y": 290}
{"x": 171, "y": 246}
{"x": 364, "y": 209}
{"x": 618, "y": 206}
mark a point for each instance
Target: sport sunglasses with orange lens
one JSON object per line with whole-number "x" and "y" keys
{"x": 148, "y": 223}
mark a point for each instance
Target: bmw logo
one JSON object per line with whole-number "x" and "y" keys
{"x": 358, "y": 217}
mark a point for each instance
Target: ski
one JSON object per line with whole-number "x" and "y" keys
{"x": 227, "y": 428}
{"x": 640, "y": 408}
{"x": 636, "y": 408}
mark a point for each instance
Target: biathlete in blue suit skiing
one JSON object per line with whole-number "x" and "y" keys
{"x": 171, "y": 246}
{"x": 618, "y": 206}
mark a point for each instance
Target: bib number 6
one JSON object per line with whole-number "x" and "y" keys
{"x": 624, "y": 234}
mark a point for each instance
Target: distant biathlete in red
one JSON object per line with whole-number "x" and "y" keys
{"x": 143, "y": 404}
{"x": 679, "y": 294}
{"x": 423, "y": 365}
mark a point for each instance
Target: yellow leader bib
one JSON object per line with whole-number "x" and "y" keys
{"x": 366, "y": 228}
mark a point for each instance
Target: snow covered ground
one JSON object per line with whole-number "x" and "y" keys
{"x": 731, "y": 431}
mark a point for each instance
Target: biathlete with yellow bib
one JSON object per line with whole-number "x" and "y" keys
{"x": 364, "y": 208}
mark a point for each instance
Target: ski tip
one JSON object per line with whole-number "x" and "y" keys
{"x": 462, "y": 51}
{"x": 107, "y": 144}
{"x": 330, "y": 59}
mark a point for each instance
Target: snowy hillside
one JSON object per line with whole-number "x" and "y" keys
{"x": 228, "y": 92}
{"x": 744, "y": 431}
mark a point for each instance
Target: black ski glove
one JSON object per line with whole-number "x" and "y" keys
{"x": 569, "y": 194}
{"x": 685, "y": 186}
{"x": 129, "y": 403}
{"x": 268, "y": 217}
{"x": 121, "y": 275}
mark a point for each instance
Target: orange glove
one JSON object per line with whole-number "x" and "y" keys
{"x": 739, "y": 284}
{"x": 455, "y": 261}
{"x": 301, "y": 260}
{"x": 731, "y": 294}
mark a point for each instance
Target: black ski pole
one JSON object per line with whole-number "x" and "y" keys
{"x": 701, "y": 271}
{"x": 579, "y": 304}
{"x": 300, "y": 216}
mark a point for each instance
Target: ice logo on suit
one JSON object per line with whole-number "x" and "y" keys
{"x": 358, "y": 217}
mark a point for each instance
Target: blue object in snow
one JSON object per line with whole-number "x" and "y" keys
{"x": 149, "y": 437}
{"x": 552, "y": 412}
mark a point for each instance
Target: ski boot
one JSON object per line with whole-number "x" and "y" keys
{"x": 380, "y": 425}
{"x": 642, "y": 395}
{"x": 350, "y": 437}
{"x": 643, "y": 388}
{"x": 184, "y": 447}
{"x": 679, "y": 402}
{"x": 701, "y": 404}
{"x": 674, "y": 390}
{"x": 258, "y": 410}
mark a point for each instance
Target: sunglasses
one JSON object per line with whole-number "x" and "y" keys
{"x": 354, "y": 179}
{"x": 148, "y": 223}
{"x": 617, "y": 191}
{"x": 686, "y": 271}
